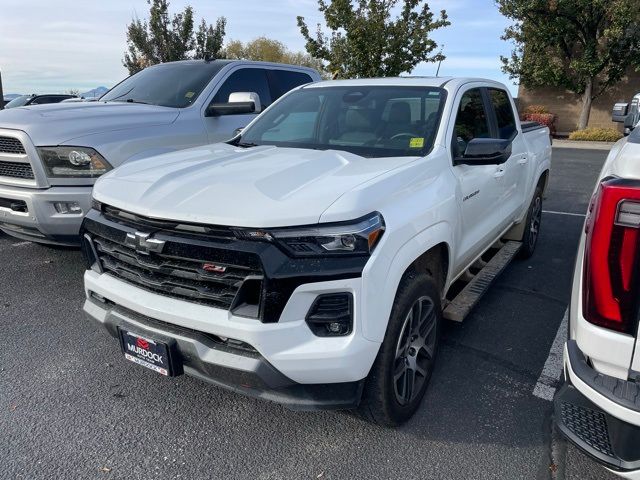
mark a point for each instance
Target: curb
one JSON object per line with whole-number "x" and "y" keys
{"x": 582, "y": 145}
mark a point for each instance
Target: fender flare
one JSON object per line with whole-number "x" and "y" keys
{"x": 378, "y": 301}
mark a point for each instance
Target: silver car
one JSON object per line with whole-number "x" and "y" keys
{"x": 51, "y": 155}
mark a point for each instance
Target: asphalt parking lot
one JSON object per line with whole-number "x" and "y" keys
{"x": 72, "y": 407}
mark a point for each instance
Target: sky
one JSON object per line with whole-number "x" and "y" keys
{"x": 53, "y": 46}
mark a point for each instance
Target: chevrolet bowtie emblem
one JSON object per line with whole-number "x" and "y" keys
{"x": 143, "y": 244}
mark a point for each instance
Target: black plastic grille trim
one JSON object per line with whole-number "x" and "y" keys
{"x": 11, "y": 145}
{"x": 178, "y": 277}
{"x": 16, "y": 170}
{"x": 589, "y": 426}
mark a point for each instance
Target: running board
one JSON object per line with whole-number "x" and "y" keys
{"x": 470, "y": 295}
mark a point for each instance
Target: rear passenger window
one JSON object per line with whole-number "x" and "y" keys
{"x": 504, "y": 114}
{"x": 287, "y": 80}
{"x": 245, "y": 80}
{"x": 471, "y": 121}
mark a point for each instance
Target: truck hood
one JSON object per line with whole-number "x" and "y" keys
{"x": 224, "y": 185}
{"x": 60, "y": 123}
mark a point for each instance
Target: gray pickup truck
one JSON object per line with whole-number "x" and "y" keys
{"x": 51, "y": 155}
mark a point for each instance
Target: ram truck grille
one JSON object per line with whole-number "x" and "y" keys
{"x": 11, "y": 145}
{"x": 182, "y": 270}
{"x": 16, "y": 170}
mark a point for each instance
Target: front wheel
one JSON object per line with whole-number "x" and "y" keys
{"x": 532, "y": 228}
{"x": 399, "y": 377}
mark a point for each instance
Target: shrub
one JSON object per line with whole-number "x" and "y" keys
{"x": 596, "y": 135}
{"x": 546, "y": 119}
{"x": 536, "y": 109}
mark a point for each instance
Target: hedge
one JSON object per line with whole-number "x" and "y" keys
{"x": 593, "y": 134}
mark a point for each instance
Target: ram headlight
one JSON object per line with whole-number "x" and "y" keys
{"x": 68, "y": 162}
{"x": 358, "y": 237}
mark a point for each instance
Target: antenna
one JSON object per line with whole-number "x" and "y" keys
{"x": 1, "y": 94}
{"x": 440, "y": 61}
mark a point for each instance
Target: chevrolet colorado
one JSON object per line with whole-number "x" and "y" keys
{"x": 311, "y": 259}
{"x": 598, "y": 407}
{"x": 51, "y": 155}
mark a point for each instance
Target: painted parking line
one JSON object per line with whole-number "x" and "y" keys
{"x": 21, "y": 244}
{"x": 546, "y": 385}
{"x": 564, "y": 213}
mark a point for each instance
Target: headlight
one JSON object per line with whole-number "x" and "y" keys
{"x": 358, "y": 237}
{"x": 79, "y": 162}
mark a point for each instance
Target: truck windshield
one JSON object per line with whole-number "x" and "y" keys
{"x": 371, "y": 121}
{"x": 169, "y": 85}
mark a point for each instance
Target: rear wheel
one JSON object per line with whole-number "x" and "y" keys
{"x": 402, "y": 370}
{"x": 532, "y": 228}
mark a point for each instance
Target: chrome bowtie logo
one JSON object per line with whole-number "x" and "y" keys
{"x": 143, "y": 244}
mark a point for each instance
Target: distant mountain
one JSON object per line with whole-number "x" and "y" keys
{"x": 96, "y": 92}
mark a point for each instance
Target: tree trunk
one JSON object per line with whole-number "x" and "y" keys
{"x": 587, "y": 100}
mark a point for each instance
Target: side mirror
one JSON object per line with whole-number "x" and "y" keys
{"x": 240, "y": 103}
{"x": 485, "y": 151}
{"x": 620, "y": 112}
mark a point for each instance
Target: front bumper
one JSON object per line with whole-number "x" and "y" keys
{"x": 291, "y": 365}
{"x": 234, "y": 366}
{"x": 600, "y": 414}
{"x": 41, "y": 222}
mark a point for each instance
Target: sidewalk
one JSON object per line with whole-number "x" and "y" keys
{"x": 557, "y": 143}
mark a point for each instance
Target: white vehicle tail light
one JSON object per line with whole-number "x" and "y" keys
{"x": 611, "y": 256}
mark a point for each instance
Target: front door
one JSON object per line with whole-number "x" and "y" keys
{"x": 480, "y": 187}
{"x": 222, "y": 128}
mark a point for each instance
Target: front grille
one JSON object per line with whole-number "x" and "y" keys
{"x": 11, "y": 145}
{"x": 194, "y": 270}
{"x": 588, "y": 425}
{"x": 16, "y": 170}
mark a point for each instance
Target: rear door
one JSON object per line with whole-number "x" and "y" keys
{"x": 515, "y": 169}
{"x": 480, "y": 187}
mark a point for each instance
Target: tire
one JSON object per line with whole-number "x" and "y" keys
{"x": 390, "y": 397}
{"x": 532, "y": 228}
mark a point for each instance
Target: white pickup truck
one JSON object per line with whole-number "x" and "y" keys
{"x": 51, "y": 155}
{"x": 311, "y": 259}
{"x": 598, "y": 407}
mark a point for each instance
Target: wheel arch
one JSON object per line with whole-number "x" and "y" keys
{"x": 427, "y": 252}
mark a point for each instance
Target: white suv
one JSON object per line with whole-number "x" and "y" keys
{"x": 598, "y": 408}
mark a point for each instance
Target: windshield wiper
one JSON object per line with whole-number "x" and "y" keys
{"x": 132, "y": 100}
{"x": 238, "y": 143}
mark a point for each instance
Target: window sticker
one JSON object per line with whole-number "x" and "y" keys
{"x": 417, "y": 142}
{"x": 189, "y": 94}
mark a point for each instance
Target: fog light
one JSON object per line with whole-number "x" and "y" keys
{"x": 68, "y": 208}
{"x": 331, "y": 315}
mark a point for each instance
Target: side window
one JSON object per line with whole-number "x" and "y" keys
{"x": 504, "y": 113}
{"x": 287, "y": 80}
{"x": 471, "y": 121}
{"x": 245, "y": 80}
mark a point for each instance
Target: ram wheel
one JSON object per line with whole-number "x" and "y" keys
{"x": 401, "y": 372}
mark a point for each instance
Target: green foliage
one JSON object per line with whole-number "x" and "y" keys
{"x": 269, "y": 50}
{"x": 585, "y": 46}
{"x": 536, "y": 109}
{"x": 366, "y": 41}
{"x": 596, "y": 135}
{"x": 165, "y": 38}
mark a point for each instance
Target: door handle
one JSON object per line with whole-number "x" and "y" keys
{"x": 499, "y": 173}
{"x": 523, "y": 160}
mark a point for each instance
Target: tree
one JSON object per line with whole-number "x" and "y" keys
{"x": 365, "y": 41}
{"x": 584, "y": 46}
{"x": 269, "y": 50}
{"x": 73, "y": 91}
{"x": 165, "y": 38}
